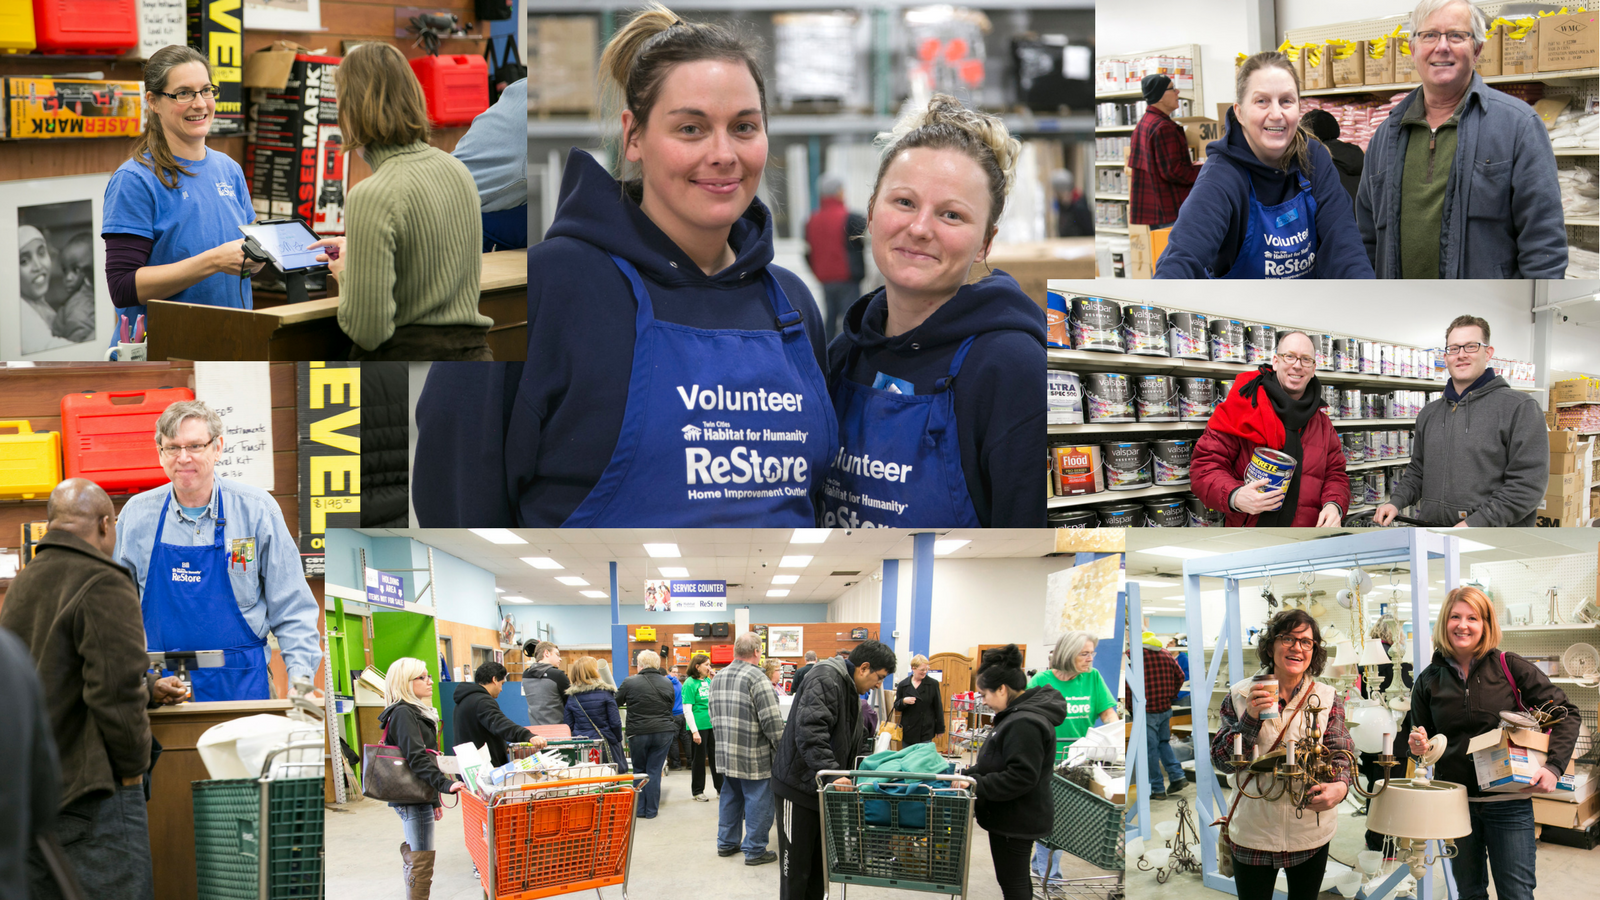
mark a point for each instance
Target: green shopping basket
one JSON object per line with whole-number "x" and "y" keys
{"x": 1087, "y": 825}
{"x": 260, "y": 838}
{"x": 921, "y": 844}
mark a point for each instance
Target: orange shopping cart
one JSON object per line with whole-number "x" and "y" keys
{"x": 552, "y": 837}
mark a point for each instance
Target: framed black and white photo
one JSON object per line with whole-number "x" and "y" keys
{"x": 54, "y": 303}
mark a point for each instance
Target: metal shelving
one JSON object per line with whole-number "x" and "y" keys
{"x": 1564, "y": 75}
{"x": 1159, "y": 490}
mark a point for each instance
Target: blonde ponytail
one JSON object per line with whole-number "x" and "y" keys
{"x": 153, "y": 140}
{"x": 946, "y": 124}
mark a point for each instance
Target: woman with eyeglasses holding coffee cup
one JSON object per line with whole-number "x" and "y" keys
{"x": 1271, "y": 424}
{"x": 1259, "y": 716}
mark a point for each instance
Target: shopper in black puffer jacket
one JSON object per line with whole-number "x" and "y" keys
{"x": 385, "y": 445}
{"x": 823, "y": 732}
{"x": 1012, "y": 773}
{"x": 411, "y": 724}
{"x": 647, "y": 697}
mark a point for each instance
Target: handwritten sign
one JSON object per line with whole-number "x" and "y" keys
{"x": 241, "y": 393}
{"x": 162, "y": 23}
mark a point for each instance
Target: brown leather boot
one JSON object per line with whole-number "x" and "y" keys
{"x": 405, "y": 868}
{"x": 421, "y": 880}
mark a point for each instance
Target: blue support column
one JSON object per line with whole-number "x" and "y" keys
{"x": 889, "y": 603}
{"x": 921, "y": 591}
{"x": 619, "y": 633}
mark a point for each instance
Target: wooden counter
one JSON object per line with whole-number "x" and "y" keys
{"x": 310, "y": 330}
{"x": 171, "y": 809}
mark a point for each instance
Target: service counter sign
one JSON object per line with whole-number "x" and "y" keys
{"x": 328, "y": 409}
{"x": 685, "y": 596}
{"x": 384, "y": 589}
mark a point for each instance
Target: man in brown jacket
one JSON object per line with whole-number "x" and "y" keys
{"x": 78, "y": 612}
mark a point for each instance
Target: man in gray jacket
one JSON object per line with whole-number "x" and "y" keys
{"x": 544, "y": 685}
{"x": 1481, "y": 455}
{"x": 1460, "y": 180}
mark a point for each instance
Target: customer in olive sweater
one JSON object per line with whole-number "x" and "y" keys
{"x": 409, "y": 264}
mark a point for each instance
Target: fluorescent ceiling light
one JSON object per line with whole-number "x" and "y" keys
{"x": 794, "y": 562}
{"x": 1465, "y": 545}
{"x": 572, "y": 581}
{"x": 513, "y": 598}
{"x": 674, "y": 571}
{"x": 499, "y": 590}
{"x": 662, "y": 550}
{"x": 809, "y": 535}
{"x": 542, "y": 562}
{"x": 1177, "y": 552}
{"x": 944, "y": 548}
{"x": 782, "y": 592}
{"x": 595, "y": 594}
{"x": 785, "y": 579}
{"x": 497, "y": 535}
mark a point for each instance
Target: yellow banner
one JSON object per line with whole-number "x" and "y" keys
{"x": 44, "y": 107}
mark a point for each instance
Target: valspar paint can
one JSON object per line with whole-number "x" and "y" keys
{"x": 1187, "y": 336}
{"x": 1095, "y": 324}
{"x": 1107, "y": 397}
{"x": 1377, "y": 487}
{"x": 1330, "y": 397}
{"x": 1055, "y": 320}
{"x": 1127, "y": 465}
{"x": 1274, "y": 465}
{"x": 1346, "y": 355}
{"x": 1374, "y": 445}
{"x": 1066, "y": 398}
{"x": 1074, "y": 518}
{"x": 1157, "y": 398}
{"x": 1171, "y": 459}
{"x": 1355, "y": 446}
{"x": 1227, "y": 340}
{"x": 1324, "y": 344}
{"x": 1121, "y": 515}
{"x": 1166, "y": 513}
{"x": 1385, "y": 359}
{"x": 1369, "y": 358}
{"x": 1196, "y": 399}
{"x": 1391, "y": 444}
{"x": 1350, "y": 404}
{"x": 1200, "y": 515}
{"x": 1259, "y": 342}
{"x": 1405, "y": 445}
{"x": 1144, "y": 330}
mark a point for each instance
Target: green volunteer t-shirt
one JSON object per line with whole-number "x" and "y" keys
{"x": 1087, "y": 697}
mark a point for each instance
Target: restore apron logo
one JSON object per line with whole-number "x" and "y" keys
{"x": 749, "y": 401}
{"x": 186, "y": 574}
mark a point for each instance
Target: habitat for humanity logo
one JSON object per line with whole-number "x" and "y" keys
{"x": 225, "y": 189}
{"x": 185, "y": 574}
{"x": 691, "y": 432}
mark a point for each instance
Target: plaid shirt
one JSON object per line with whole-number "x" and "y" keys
{"x": 1162, "y": 678}
{"x": 1335, "y": 737}
{"x": 747, "y": 721}
{"x": 1162, "y": 174}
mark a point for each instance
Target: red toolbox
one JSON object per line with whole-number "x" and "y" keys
{"x": 109, "y": 437}
{"x": 99, "y": 27}
{"x": 456, "y": 87}
{"x": 721, "y": 654}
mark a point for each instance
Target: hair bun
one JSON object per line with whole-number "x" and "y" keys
{"x": 945, "y": 110}
{"x": 1007, "y": 657}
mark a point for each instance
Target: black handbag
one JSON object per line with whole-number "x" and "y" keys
{"x": 386, "y": 776}
{"x": 493, "y": 9}
{"x": 503, "y": 71}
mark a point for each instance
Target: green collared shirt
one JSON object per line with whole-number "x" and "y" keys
{"x": 1423, "y": 182}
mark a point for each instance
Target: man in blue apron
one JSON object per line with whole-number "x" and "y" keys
{"x": 216, "y": 566}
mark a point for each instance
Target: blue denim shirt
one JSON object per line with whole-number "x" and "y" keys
{"x": 495, "y": 150}
{"x": 271, "y": 590}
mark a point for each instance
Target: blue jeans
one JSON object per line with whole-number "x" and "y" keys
{"x": 746, "y": 802}
{"x": 1504, "y": 833}
{"x": 1158, "y": 741}
{"x": 506, "y": 229}
{"x": 108, "y": 843}
{"x": 1041, "y": 853}
{"x": 649, "y": 753}
{"x": 417, "y": 818}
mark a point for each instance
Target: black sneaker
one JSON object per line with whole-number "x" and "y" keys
{"x": 1177, "y": 787}
{"x": 728, "y": 852}
{"x": 1158, "y": 795}
{"x": 763, "y": 859}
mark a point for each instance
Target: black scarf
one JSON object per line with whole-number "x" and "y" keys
{"x": 1294, "y": 414}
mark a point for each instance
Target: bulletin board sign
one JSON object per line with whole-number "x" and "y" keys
{"x": 328, "y": 412}
{"x": 45, "y": 108}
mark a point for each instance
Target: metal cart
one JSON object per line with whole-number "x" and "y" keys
{"x": 916, "y": 842}
{"x": 1089, "y": 827}
{"x": 576, "y": 751}
{"x": 552, "y": 837}
{"x": 261, "y": 838}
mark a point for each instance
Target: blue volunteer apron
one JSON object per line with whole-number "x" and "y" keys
{"x": 1281, "y": 241}
{"x": 899, "y": 459}
{"x": 723, "y": 428}
{"x": 189, "y": 605}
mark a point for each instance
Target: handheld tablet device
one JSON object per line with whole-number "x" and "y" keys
{"x": 282, "y": 243}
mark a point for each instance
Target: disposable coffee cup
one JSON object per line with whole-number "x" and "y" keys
{"x": 129, "y": 352}
{"x": 1270, "y": 681}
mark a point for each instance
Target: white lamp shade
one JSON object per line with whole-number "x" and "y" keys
{"x": 1158, "y": 856}
{"x": 1435, "y": 810}
{"x": 1373, "y": 654}
{"x": 1369, "y": 722}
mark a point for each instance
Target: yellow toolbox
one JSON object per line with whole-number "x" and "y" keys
{"x": 644, "y": 633}
{"x": 30, "y": 464}
{"x": 16, "y": 27}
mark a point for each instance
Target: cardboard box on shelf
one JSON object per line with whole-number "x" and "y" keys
{"x": 1349, "y": 62}
{"x": 1575, "y": 390}
{"x": 1318, "y": 66}
{"x": 1570, "y": 41}
{"x": 563, "y": 56}
{"x": 1564, "y": 511}
{"x": 1489, "y": 57}
{"x": 1519, "y": 47}
{"x": 44, "y": 107}
{"x": 1567, "y": 483}
{"x": 1547, "y": 811}
{"x": 1199, "y": 131}
{"x": 1405, "y": 68}
{"x": 1378, "y": 55}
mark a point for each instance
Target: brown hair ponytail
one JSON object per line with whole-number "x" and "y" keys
{"x": 1300, "y": 145}
{"x": 153, "y": 140}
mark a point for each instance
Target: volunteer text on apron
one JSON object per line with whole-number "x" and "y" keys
{"x": 1280, "y": 241}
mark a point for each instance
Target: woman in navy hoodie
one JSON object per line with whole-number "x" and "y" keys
{"x": 674, "y": 375}
{"x": 939, "y": 385}
{"x": 1268, "y": 203}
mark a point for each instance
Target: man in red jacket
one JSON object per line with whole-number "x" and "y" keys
{"x": 834, "y": 251}
{"x": 1278, "y": 407}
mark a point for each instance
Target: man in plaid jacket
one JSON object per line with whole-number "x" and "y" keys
{"x": 748, "y": 723}
{"x": 1159, "y": 156}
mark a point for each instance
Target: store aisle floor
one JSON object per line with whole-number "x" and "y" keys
{"x": 674, "y": 852}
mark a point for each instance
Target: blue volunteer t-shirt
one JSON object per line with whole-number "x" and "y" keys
{"x": 202, "y": 212}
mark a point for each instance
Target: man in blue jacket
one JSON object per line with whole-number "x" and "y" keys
{"x": 1460, "y": 180}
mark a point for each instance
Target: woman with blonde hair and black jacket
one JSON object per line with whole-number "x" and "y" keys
{"x": 411, "y": 724}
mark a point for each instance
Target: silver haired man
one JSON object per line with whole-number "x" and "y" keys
{"x": 216, "y": 567}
